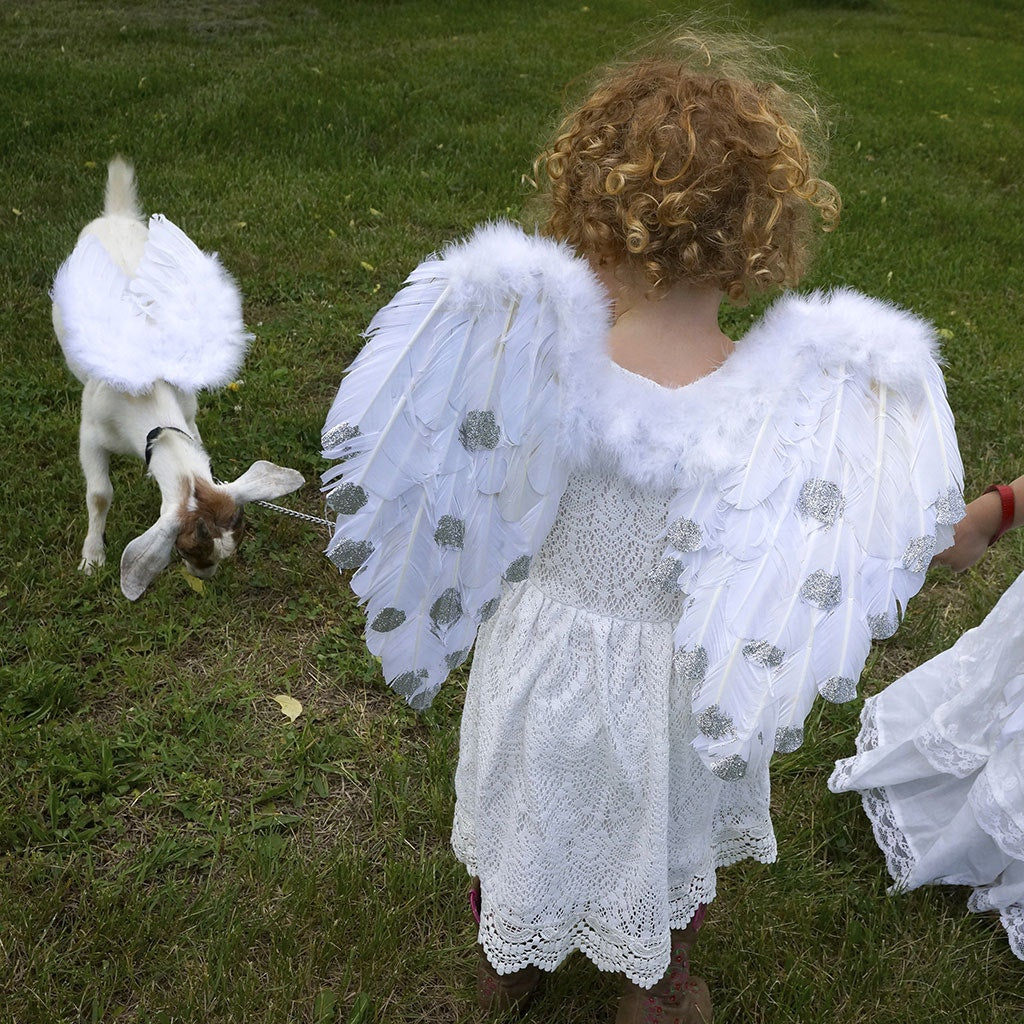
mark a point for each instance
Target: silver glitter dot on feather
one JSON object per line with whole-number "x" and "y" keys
{"x": 760, "y": 652}
{"x": 730, "y": 769}
{"x": 388, "y": 619}
{"x": 882, "y": 626}
{"x": 447, "y": 609}
{"x": 347, "y": 499}
{"x": 788, "y": 739}
{"x": 715, "y": 723}
{"x": 518, "y": 570}
{"x": 350, "y": 554}
{"x": 685, "y": 535}
{"x": 950, "y": 507}
{"x": 838, "y": 689}
{"x": 665, "y": 575}
{"x": 338, "y": 435}
{"x": 479, "y": 431}
{"x": 822, "y": 590}
{"x": 821, "y": 500}
{"x": 450, "y": 532}
{"x": 408, "y": 682}
{"x": 917, "y": 555}
{"x": 692, "y": 665}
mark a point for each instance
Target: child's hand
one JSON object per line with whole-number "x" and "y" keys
{"x": 973, "y": 534}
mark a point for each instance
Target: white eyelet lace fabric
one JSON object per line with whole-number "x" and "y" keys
{"x": 848, "y": 770}
{"x": 997, "y": 799}
{"x": 940, "y": 768}
{"x": 899, "y": 856}
{"x": 580, "y": 803}
{"x": 1010, "y": 917}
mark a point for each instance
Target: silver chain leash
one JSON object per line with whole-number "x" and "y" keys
{"x": 287, "y": 511}
{"x": 295, "y": 515}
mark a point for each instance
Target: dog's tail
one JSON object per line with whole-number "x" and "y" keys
{"x": 122, "y": 197}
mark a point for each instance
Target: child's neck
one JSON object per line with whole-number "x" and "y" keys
{"x": 673, "y": 340}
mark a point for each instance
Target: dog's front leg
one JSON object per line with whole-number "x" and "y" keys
{"x": 99, "y": 493}
{"x": 189, "y": 409}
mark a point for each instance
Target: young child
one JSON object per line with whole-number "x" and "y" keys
{"x": 940, "y": 762}
{"x": 669, "y": 541}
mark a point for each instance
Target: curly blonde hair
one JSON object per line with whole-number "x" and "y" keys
{"x": 688, "y": 166}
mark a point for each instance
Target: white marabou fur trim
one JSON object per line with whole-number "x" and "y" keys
{"x": 500, "y": 258}
{"x": 874, "y": 337}
{"x": 658, "y": 436}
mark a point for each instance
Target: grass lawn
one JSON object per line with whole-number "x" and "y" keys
{"x": 173, "y": 848}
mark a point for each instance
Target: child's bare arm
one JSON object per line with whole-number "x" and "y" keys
{"x": 982, "y": 524}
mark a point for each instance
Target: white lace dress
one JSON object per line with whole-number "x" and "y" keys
{"x": 580, "y": 802}
{"x": 940, "y": 767}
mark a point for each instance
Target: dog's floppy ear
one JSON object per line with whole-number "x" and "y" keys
{"x": 146, "y": 556}
{"x": 263, "y": 481}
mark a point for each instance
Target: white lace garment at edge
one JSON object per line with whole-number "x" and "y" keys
{"x": 940, "y": 768}
{"x": 580, "y": 802}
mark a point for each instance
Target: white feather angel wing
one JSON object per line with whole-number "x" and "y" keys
{"x": 809, "y": 551}
{"x": 178, "y": 319}
{"x": 447, "y": 428}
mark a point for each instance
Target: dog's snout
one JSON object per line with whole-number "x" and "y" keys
{"x": 202, "y": 572}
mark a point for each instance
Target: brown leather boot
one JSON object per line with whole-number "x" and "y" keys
{"x": 679, "y": 997}
{"x": 499, "y": 993}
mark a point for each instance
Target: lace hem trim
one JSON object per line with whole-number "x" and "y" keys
{"x": 868, "y": 738}
{"x": 1013, "y": 922}
{"x": 993, "y": 818}
{"x": 512, "y": 944}
{"x": 839, "y": 780}
{"x": 900, "y": 860}
{"x": 899, "y": 857}
{"x": 943, "y": 754}
{"x": 1011, "y": 918}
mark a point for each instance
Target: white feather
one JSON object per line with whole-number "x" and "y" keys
{"x": 447, "y": 430}
{"x": 178, "y": 319}
{"x": 105, "y": 335}
{"x": 809, "y": 591}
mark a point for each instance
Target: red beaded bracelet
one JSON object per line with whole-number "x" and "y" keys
{"x": 1009, "y": 504}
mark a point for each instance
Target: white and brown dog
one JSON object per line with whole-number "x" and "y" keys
{"x": 146, "y": 320}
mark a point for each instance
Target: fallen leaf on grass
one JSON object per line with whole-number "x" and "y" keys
{"x": 193, "y": 581}
{"x": 290, "y": 707}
